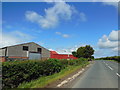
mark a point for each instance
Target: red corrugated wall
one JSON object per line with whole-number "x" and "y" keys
{"x": 61, "y": 56}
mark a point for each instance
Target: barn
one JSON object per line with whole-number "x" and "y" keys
{"x": 54, "y": 54}
{"x": 24, "y": 51}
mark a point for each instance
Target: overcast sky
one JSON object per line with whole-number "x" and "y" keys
{"x": 62, "y": 26}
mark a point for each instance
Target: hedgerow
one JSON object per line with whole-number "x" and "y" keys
{"x": 116, "y": 58}
{"x": 17, "y": 72}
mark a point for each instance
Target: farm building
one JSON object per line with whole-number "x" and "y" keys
{"x": 54, "y": 54}
{"x": 24, "y": 51}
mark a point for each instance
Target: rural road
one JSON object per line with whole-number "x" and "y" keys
{"x": 102, "y": 74}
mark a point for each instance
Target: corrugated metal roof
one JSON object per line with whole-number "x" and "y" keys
{"x": 53, "y": 52}
{"x": 23, "y": 44}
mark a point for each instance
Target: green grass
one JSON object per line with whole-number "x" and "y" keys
{"x": 45, "y": 80}
{"x": 112, "y": 60}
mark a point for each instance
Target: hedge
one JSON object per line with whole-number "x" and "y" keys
{"x": 17, "y": 72}
{"x": 116, "y": 58}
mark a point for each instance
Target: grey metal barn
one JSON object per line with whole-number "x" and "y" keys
{"x": 24, "y": 51}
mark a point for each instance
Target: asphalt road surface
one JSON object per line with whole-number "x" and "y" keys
{"x": 102, "y": 74}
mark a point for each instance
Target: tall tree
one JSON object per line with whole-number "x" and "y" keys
{"x": 74, "y": 54}
{"x": 85, "y": 52}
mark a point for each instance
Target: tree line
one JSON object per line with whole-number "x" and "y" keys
{"x": 116, "y": 58}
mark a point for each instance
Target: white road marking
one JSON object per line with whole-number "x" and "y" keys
{"x": 118, "y": 74}
{"x": 110, "y": 68}
{"x": 71, "y": 78}
{"x": 83, "y": 69}
{"x": 65, "y": 81}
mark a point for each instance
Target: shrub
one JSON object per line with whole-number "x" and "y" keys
{"x": 17, "y": 72}
{"x": 64, "y": 62}
{"x": 116, "y": 58}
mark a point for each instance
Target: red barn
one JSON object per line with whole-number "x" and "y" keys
{"x": 54, "y": 54}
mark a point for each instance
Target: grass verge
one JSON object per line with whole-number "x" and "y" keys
{"x": 45, "y": 80}
{"x": 114, "y": 61}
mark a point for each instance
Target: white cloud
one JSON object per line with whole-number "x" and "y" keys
{"x": 65, "y": 50}
{"x": 114, "y": 35}
{"x": 21, "y": 35}
{"x": 32, "y": 16}
{"x": 104, "y": 53}
{"x": 105, "y": 2}
{"x": 12, "y": 38}
{"x": 108, "y": 45}
{"x": 116, "y": 49}
{"x": 110, "y": 42}
{"x": 115, "y": 4}
{"x": 53, "y": 15}
{"x": 68, "y": 50}
{"x": 51, "y": 49}
{"x": 63, "y": 35}
{"x": 83, "y": 17}
{"x": 58, "y": 33}
{"x": 104, "y": 42}
{"x": 108, "y": 2}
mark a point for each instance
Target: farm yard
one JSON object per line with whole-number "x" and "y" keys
{"x": 41, "y": 66}
{"x": 59, "y": 44}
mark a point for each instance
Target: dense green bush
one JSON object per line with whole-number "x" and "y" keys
{"x": 17, "y": 72}
{"x": 64, "y": 62}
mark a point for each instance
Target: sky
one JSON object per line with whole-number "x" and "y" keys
{"x": 62, "y": 26}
